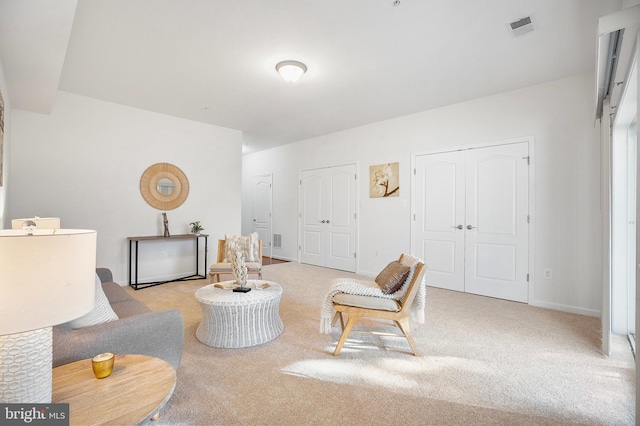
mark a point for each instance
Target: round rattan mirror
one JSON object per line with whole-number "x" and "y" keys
{"x": 155, "y": 178}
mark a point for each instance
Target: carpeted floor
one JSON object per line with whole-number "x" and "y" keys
{"x": 484, "y": 362}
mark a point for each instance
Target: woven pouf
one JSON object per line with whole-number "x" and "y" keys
{"x": 239, "y": 320}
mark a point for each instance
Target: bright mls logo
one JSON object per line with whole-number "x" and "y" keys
{"x": 34, "y": 414}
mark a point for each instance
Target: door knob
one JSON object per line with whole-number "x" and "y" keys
{"x": 470, "y": 227}
{"x": 323, "y": 221}
{"x": 327, "y": 220}
{"x": 458, "y": 226}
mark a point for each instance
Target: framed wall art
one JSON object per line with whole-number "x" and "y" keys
{"x": 384, "y": 180}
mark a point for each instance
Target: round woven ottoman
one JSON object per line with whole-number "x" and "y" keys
{"x": 239, "y": 320}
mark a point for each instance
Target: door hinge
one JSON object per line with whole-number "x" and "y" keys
{"x": 414, "y": 170}
{"x": 355, "y": 177}
{"x": 414, "y": 216}
{"x": 528, "y": 159}
{"x": 300, "y": 215}
{"x": 354, "y": 255}
{"x": 355, "y": 215}
{"x": 527, "y": 277}
{"x": 299, "y": 248}
{"x": 300, "y": 181}
{"x": 528, "y": 219}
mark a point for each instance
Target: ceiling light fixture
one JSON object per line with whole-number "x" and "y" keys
{"x": 291, "y": 71}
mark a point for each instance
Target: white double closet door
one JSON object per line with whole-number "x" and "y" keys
{"x": 328, "y": 217}
{"x": 471, "y": 223}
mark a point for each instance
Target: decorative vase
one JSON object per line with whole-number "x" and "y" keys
{"x": 239, "y": 270}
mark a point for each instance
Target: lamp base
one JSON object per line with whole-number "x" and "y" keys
{"x": 26, "y": 367}
{"x": 242, "y": 289}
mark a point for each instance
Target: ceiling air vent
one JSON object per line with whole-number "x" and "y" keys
{"x": 522, "y": 26}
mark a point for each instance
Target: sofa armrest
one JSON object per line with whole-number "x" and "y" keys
{"x": 157, "y": 333}
{"x": 104, "y": 274}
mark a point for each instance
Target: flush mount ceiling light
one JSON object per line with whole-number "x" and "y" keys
{"x": 291, "y": 71}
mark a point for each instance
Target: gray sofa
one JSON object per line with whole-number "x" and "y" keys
{"x": 137, "y": 331}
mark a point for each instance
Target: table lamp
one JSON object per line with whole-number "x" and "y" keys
{"x": 38, "y": 222}
{"x": 47, "y": 278}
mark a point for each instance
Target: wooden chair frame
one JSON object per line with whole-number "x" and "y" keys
{"x": 399, "y": 318}
{"x": 216, "y": 275}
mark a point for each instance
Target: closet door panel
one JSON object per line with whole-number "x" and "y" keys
{"x": 496, "y": 245}
{"x": 439, "y": 198}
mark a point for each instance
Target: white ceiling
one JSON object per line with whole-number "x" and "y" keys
{"x": 214, "y": 61}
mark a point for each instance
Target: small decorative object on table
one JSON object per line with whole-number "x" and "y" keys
{"x": 196, "y": 228}
{"x": 240, "y": 271}
{"x": 102, "y": 365}
{"x": 166, "y": 225}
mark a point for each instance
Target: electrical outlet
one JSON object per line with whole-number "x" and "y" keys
{"x": 172, "y": 253}
{"x": 163, "y": 255}
{"x": 547, "y": 274}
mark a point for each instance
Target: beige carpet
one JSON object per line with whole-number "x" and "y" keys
{"x": 484, "y": 362}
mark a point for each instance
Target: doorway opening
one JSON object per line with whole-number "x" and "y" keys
{"x": 624, "y": 212}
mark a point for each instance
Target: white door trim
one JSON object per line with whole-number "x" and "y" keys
{"x": 532, "y": 219}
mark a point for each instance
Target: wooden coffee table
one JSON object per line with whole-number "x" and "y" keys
{"x": 136, "y": 390}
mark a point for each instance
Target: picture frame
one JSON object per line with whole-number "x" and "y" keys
{"x": 384, "y": 180}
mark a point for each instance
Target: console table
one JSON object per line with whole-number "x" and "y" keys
{"x": 137, "y": 285}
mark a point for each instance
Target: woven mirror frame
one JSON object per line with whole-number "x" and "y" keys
{"x": 152, "y": 195}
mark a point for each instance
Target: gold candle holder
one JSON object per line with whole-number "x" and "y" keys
{"x": 102, "y": 365}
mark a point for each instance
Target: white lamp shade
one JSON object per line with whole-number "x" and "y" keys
{"x": 291, "y": 71}
{"x": 41, "y": 222}
{"x": 46, "y": 279}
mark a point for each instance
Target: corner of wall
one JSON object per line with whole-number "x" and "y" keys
{"x": 4, "y": 150}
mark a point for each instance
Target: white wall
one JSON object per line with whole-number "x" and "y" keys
{"x": 4, "y": 204}
{"x": 83, "y": 163}
{"x": 566, "y": 220}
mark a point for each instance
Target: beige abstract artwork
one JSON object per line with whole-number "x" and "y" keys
{"x": 384, "y": 180}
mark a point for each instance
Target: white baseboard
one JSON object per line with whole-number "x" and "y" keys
{"x": 168, "y": 277}
{"x": 287, "y": 259}
{"x": 368, "y": 273}
{"x": 566, "y": 308}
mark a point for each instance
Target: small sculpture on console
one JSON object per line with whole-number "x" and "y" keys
{"x": 240, "y": 271}
{"x": 166, "y": 225}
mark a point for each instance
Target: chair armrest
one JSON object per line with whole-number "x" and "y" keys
{"x": 157, "y": 333}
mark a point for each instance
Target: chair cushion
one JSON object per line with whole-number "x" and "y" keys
{"x": 226, "y": 267}
{"x": 367, "y": 302}
{"x": 247, "y": 244}
{"x": 101, "y": 313}
{"x": 392, "y": 277}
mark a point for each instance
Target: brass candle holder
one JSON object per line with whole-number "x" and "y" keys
{"x": 103, "y": 365}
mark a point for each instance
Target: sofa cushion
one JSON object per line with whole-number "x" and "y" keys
{"x": 122, "y": 302}
{"x": 101, "y": 312}
{"x": 391, "y": 278}
{"x": 115, "y": 292}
